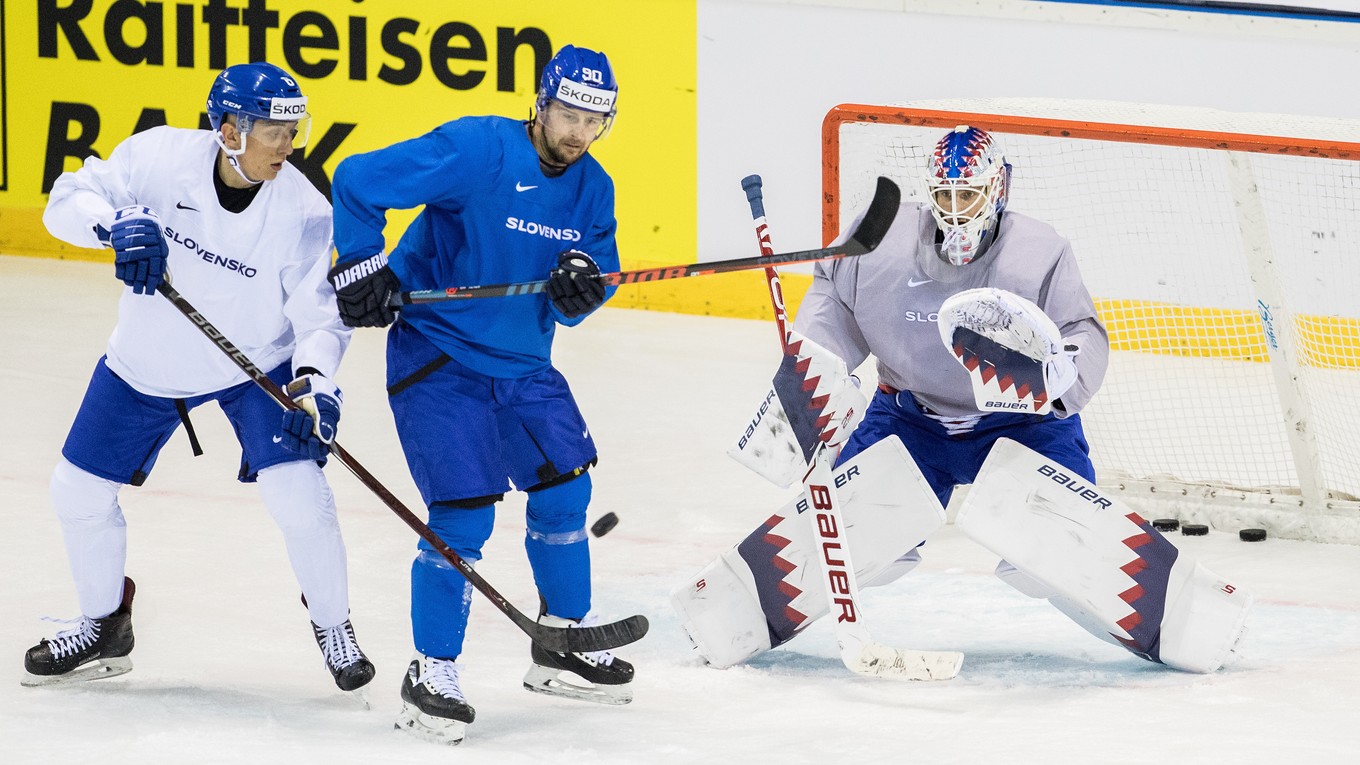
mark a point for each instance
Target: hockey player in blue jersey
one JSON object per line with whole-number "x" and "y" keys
{"x": 477, "y": 402}
{"x": 248, "y": 240}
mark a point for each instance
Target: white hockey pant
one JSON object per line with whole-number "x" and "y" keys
{"x": 301, "y": 503}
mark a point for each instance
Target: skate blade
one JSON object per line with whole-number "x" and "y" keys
{"x": 360, "y": 697}
{"x": 569, "y": 685}
{"x": 95, "y": 670}
{"x": 437, "y": 730}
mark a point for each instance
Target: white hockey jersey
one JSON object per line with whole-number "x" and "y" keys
{"x": 259, "y": 275}
{"x": 887, "y": 303}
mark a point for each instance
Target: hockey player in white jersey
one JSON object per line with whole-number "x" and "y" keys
{"x": 1023, "y": 352}
{"x": 248, "y": 239}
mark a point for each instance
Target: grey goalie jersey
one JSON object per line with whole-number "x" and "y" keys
{"x": 886, "y": 303}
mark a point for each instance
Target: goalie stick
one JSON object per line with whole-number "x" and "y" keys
{"x": 882, "y": 210}
{"x": 558, "y": 639}
{"x": 860, "y": 653}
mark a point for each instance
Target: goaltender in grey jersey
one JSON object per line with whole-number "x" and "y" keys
{"x": 886, "y": 303}
{"x": 988, "y": 348}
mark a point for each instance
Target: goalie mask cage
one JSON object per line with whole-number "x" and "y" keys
{"x": 1223, "y": 253}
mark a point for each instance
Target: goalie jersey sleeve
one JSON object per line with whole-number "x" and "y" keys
{"x": 258, "y": 275}
{"x": 886, "y": 303}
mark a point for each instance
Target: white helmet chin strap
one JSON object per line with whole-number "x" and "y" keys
{"x": 232, "y": 154}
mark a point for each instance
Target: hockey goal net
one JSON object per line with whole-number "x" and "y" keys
{"x": 1223, "y": 252}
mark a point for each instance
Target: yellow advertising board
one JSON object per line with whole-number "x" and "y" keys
{"x": 79, "y": 76}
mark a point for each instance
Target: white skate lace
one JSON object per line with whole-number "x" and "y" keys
{"x": 338, "y": 645}
{"x": 441, "y": 676}
{"x": 599, "y": 658}
{"x": 78, "y": 638}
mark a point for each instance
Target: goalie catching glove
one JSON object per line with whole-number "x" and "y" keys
{"x": 827, "y": 406}
{"x": 1016, "y": 358}
{"x": 310, "y": 429}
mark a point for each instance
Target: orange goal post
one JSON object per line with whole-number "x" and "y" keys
{"x": 1223, "y": 252}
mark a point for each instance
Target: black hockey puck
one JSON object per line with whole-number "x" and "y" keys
{"x": 1251, "y": 535}
{"x": 1166, "y": 524}
{"x": 603, "y": 526}
{"x": 1194, "y": 529}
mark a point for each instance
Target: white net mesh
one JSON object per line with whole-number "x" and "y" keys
{"x": 1191, "y": 396}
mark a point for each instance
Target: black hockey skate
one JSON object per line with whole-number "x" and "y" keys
{"x": 596, "y": 676}
{"x": 347, "y": 663}
{"x": 433, "y": 706}
{"x": 93, "y": 649}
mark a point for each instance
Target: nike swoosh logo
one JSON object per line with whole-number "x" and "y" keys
{"x": 278, "y": 439}
{"x": 914, "y": 283}
{"x": 521, "y": 187}
{"x": 182, "y": 206}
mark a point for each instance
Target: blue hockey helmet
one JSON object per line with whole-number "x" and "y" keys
{"x": 258, "y": 91}
{"x": 583, "y": 79}
{"x": 967, "y": 183}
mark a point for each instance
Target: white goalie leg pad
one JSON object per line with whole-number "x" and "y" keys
{"x": 1107, "y": 568}
{"x": 1206, "y": 616}
{"x": 721, "y": 613}
{"x": 300, "y": 501}
{"x": 765, "y": 590}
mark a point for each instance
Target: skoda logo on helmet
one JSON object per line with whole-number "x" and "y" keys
{"x": 586, "y": 97}
{"x": 285, "y": 109}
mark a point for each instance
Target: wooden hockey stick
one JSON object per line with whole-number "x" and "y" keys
{"x": 558, "y": 639}
{"x": 860, "y": 653}
{"x": 882, "y": 210}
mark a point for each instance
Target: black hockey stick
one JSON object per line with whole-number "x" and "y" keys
{"x": 558, "y": 639}
{"x": 866, "y": 237}
{"x": 860, "y": 653}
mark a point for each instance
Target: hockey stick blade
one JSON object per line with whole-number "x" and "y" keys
{"x": 878, "y": 660}
{"x": 600, "y": 637}
{"x": 559, "y": 639}
{"x": 865, "y": 239}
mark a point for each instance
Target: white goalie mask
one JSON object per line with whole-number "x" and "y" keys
{"x": 966, "y": 183}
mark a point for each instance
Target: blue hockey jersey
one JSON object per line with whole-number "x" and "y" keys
{"x": 491, "y": 216}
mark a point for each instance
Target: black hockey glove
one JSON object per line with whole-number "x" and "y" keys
{"x": 575, "y": 286}
{"x": 362, "y": 291}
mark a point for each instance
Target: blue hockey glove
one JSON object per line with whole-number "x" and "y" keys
{"x": 310, "y": 430}
{"x": 139, "y": 249}
{"x": 575, "y": 286}
{"x": 362, "y": 291}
